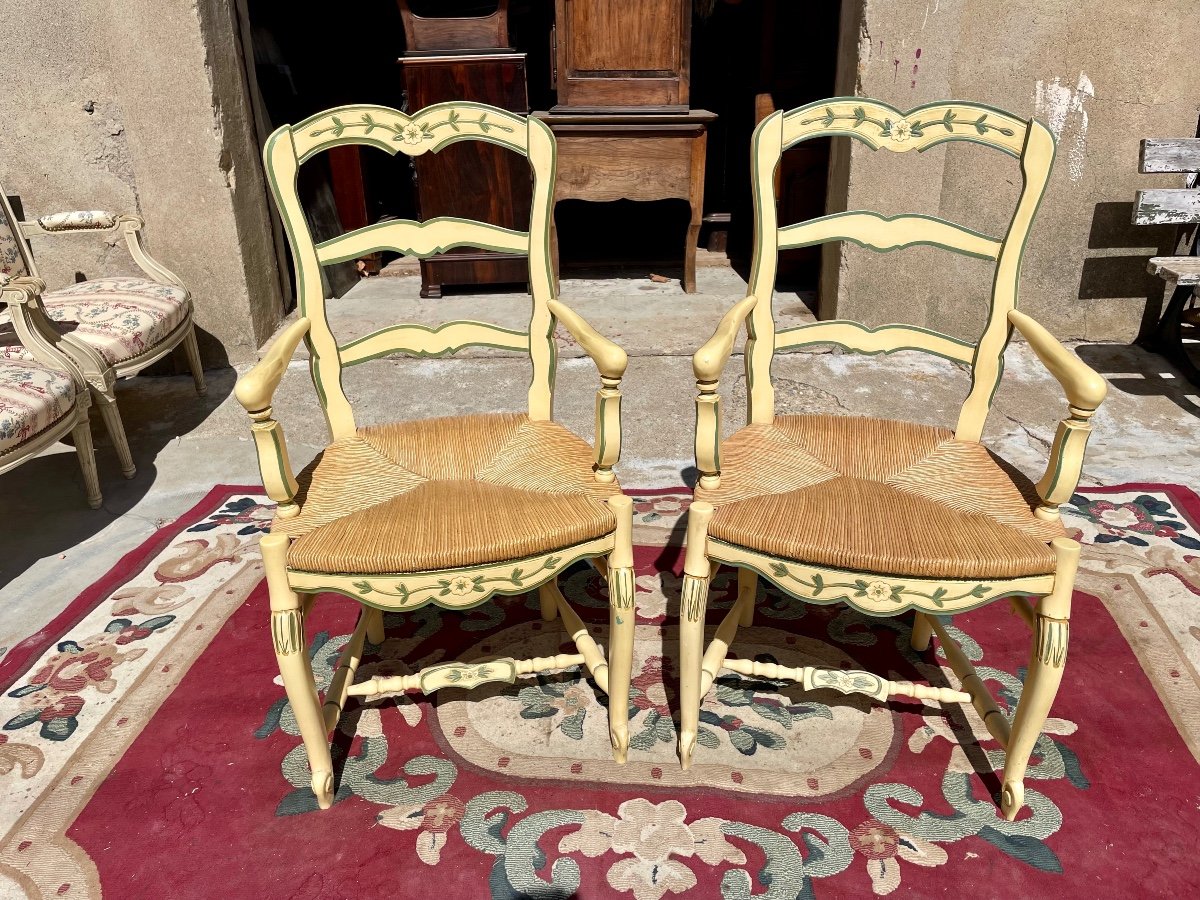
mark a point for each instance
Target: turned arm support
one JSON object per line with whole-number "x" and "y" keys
{"x": 611, "y": 362}
{"x": 707, "y": 364}
{"x": 255, "y": 391}
{"x": 1085, "y": 390}
{"x": 129, "y": 226}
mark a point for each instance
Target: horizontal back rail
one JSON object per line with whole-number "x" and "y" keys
{"x": 883, "y": 127}
{"x": 885, "y": 339}
{"x": 884, "y": 233}
{"x": 1176, "y": 155}
{"x": 1166, "y": 206}
{"x": 421, "y": 239}
{"x": 420, "y": 340}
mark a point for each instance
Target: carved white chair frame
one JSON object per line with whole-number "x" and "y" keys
{"x": 883, "y": 127}
{"x": 38, "y": 335}
{"x": 291, "y": 590}
{"x": 102, "y": 377}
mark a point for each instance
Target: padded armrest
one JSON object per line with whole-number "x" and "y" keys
{"x": 79, "y": 220}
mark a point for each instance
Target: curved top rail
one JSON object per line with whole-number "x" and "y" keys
{"x": 393, "y": 131}
{"x": 882, "y": 126}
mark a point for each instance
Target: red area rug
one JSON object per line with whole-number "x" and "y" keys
{"x": 147, "y": 751}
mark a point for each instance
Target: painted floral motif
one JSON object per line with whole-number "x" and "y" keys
{"x": 648, "y": 835}
{"x": 253, "y": 516}
{"x": 52, "y": 697}
{"x": 434, "y": 819}
{"x": 901, "y": 129}
{"x": 1133, "y": 521}
{"x": 884, "y": 847}
{"x": 408, "y": 131}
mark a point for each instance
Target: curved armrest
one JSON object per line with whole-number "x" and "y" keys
{"x": 610, "y": 359}
{"x": 34, "y": 329}
{"x": 1084, "y": 386}
{"x": 707, "y": 363}
{"x": 255, "y": 391}
{"x": 1085, "y": 389}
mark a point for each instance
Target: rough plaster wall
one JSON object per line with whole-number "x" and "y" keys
{"x": 167, "y": 136}
{"x": 1102, "y": 75}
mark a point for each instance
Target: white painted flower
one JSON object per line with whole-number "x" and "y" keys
{"x": 460, "y": 585}
{"x": 879, "y": 591}
{"x": 411, "y": 133}
{"x": 653, "y": 833}
{"x": 900, "y": 130}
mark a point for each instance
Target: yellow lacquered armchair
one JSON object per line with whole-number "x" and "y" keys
{"x": 445, "y": 512}
{"x": 883, "y": 515}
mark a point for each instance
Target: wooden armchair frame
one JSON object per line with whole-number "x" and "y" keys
{"x": 291, "y": 590}
{"x": 883, "y": 127}
{"x": 39, "y": 337}
{"x": 100, "y": 376}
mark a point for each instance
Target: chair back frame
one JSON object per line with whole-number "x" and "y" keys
{"x": 881, "y": 126}
{"x": 428, "y": 130}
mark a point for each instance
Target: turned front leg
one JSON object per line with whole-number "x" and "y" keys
{"x": 291, "y": 652}
{"x": 693, "y": 602}
{"x": 1046, "y": 663}
{"x": 622, "y": 617}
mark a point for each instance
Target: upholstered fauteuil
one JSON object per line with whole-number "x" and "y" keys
{"x": 439, "y": 512}
{"x": 43, "y": 397}
{"x": 887, "y": 516}
{"x": 114, "y": 326}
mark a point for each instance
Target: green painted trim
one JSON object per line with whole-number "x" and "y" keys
{"x": 423, "y": 354}
{"x": 566, "y": 561}
{"x": 868, "y": 330}
{"x": 866, "y": 139}
{"x": 601, "y": 438}
{"x": 899, "y": 609}
{"x": 790, "y": 245}
{"x": 408, "y": 251}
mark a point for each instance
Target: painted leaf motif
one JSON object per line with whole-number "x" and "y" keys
{"x": 779, "y": 570}
{"x": 948, "y": 119}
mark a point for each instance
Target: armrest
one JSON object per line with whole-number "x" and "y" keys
{"x": 255, "y": 391}
{"x": 98, "y": 220}
{"x": 709, "y": 361}
{"x": 68, "y": 222}
{"x": 1085, "y": 389}
{"x": 1084, "y": 386}
{"x": 610, "y": 359}
{"x": 707, "y": 364}
{"x": 49, "y": 346}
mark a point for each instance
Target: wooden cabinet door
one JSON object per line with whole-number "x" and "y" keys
{"x": 630, "y": 54}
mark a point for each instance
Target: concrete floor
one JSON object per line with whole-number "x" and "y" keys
{"x": 54, "y": 546}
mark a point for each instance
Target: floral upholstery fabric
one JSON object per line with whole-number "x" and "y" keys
{"x": 12, "y": 263}
{"x": 81, "y": 219}
{"x": 121, "y": 317}
{"x": 32, "y": 398}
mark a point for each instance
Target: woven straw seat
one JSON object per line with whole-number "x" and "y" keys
{"x": 872, "y": 495}
{"x": 444, "y": 493}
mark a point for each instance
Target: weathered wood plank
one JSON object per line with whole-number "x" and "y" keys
{"x": 1166, "y": 206}
{"x": 1183, "y": 270}
{"x": 1169, "y": 155}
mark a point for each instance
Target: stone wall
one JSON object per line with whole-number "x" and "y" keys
{"x": 139, "y": 106}
{"x": 1101, "y": 75}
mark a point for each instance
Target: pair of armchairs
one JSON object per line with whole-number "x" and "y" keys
{"x": 62, "y": 351}
{"x": 889, "y": 517}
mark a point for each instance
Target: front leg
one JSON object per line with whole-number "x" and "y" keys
{"x": 693, "y": 602}
{"x": 622, "y": 616}
{"x": 1048, "y": 657}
